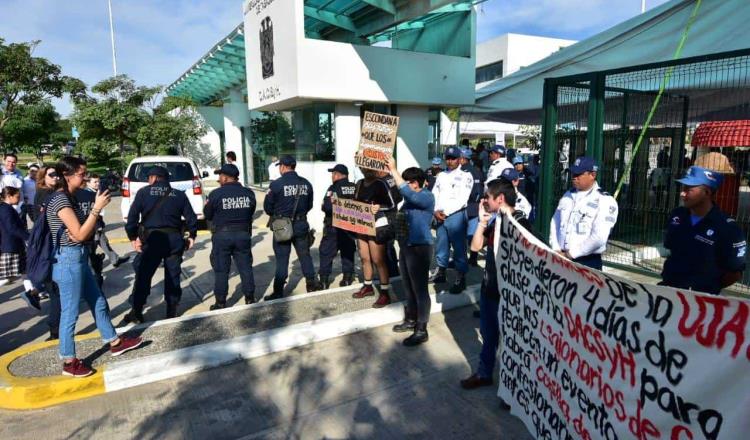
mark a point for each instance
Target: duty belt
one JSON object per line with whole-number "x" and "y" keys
{"x": 164, "y": 230}
{"x": 232, "y": 228}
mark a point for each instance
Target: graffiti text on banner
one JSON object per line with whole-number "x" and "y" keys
{"x": 587, "y": 355}
{"x": 376, "y": 142}
{"x": 353, "y": 216}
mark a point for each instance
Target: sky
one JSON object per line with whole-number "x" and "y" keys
{"x": 158, "y": 40}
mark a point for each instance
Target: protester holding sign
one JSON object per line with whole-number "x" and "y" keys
{"x": 416, "y": 251}
{"x": 372, "y": 250}
{"x": 707, "y": 248}
{"x": 584, "y": 217}
{"x": 500, "y": 199}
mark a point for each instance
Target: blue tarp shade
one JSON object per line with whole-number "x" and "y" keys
{"x": 721, "y": 26}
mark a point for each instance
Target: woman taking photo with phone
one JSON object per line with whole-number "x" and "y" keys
{"x": 71, "y": 231}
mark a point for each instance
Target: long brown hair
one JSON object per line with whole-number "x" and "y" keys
{"x": 67, "y": 166}
{"x": 41, "y": 175}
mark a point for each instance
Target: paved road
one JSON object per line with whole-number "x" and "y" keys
{"x": 365, "y": 385}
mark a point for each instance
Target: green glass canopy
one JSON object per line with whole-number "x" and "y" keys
{"x": 355, "y": 21}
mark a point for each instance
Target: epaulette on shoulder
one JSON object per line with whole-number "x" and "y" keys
{"x": 604, "y": 193}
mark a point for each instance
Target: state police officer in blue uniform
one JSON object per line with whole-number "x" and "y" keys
{"x": 335, "y": 239}
{"x": 472, "y": 205}
{"x": 230, "y": 210}
{"x": 707, "y": 248}
{"x": 283, "y": 194}
{"x": 154, "y": 227}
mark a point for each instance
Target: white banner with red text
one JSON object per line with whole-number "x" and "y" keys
{"x": 588, "y": 355}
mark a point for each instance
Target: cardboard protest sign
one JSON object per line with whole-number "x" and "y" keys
{"x": 353, "y": 216}
{"x": 588, "y": 355}
{"x": 376, "y": 141}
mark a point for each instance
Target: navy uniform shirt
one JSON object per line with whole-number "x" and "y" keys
{"x": 170, "y": 212}
{"x": 477, "y": 190}
{"x": 342, "y": 189}
{"x": 393, "y": 190}
{"x": 230, "y": 206}
{"x": 281, "y": 194}
{"x": 86, "y": 199}
{"x": 700, "y": 255}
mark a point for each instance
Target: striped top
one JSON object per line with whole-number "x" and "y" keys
{"x": 59, "y": 201}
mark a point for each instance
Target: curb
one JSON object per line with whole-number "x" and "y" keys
{"x": 20, "y": 393}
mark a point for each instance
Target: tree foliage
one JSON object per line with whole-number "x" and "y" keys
{"x": 32, "y": 126}
{"x": 26, "y": 80}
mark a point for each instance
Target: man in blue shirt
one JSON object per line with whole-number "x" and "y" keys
{"x": 230, "y": 210}
{"x": 707, "y": 248}
{"x": 291, "y": 196}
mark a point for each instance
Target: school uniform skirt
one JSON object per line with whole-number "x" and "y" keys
{"x": 12, "y": 265}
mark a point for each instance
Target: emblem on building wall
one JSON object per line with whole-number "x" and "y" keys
{"x": 266, "y": 47}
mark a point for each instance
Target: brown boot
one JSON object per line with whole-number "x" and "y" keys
{"x": 366, "y": 290}
{"x": 383, "y": 300}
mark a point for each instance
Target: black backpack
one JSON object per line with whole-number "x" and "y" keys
{"x": 40, "y": 253}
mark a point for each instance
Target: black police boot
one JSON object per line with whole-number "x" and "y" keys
{"x": 278, "y": 291}
{"x": 473, "y": 259}
{"x": 313, "y": 285}
{"x": 325, "y": 281}
{"x": 171, "y": 311}
{"x": 348, "y": 280}
{"x": 218, "y": 305}
{"x": 459, "y": 285}
{"x": 438, "y": 276}
{"x": 133, "y": 317}
{"x": 410, "y": 321}
{"x": 250, "y": 298}
{"x": 419, "y": 336}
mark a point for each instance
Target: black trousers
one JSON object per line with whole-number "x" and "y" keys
{"x": 226, "y": 246}
{"x": 159, "y": 246}
{"x": 336, "y": 240}
{"x": 593, "y": 261}
{"x": 414, "y": 262}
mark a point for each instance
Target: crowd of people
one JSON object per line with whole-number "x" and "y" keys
{"x": 446, "y": 215}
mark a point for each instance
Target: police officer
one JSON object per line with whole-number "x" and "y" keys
{"x": 154, "y": 227}
{"x": 472, "y": 205}
{"x": 230, "y": 210}
{"x": 584, "y": 217}
{"x": 336, "y": 239}
{"x": 283, "y": 194}
{"x": 707, "y": 248}
{"x": 433, "y": 171}
{"x": 498, "y": 163}
{"x": 513, "y": 177}
{"x": 452, "y": 190}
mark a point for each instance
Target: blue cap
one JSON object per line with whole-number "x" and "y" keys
{"x": 158, "y": 171}
{"x": 466, "y": 152}
{"x": 510, "y": 174}
{"x": 339, "y": 168}
{"x": 229, "y": 169}
{"x": 701, "y": 176}
{"x": 583, "y": 164}
{"x": 437, "y": 160}
{"x": 288, "y": 160}
{"x": 497, "y": 148}
{"x": 453, "y": 152}
{"x": 517, "y": 160}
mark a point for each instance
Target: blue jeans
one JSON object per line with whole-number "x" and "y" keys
{"x": 471, "y": 227}
{"x": 489, "y": 328}
{"x": 452, "y": 233}
{"x": 75, "y": 280}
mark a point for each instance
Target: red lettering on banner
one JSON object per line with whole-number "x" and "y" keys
{"x": 555, "y": 390}
{"x": 678, "y": 430}
{"x": 585, "y": 272}
{"x": 715, "y": 331}
{"x": 642, "y": 428}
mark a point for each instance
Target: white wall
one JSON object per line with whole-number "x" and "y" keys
{"x": 411, "y": 145}
{"x": 236, "y": 115}
{"x": 524, "y": 50}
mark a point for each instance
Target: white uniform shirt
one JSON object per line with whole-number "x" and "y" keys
{"x": 496, "y": 168}
{"x": 273, "y": 171}
{"x": 452, "y": 190}
{"x": 582, "y": 222}
{"x": 522, "y": 204}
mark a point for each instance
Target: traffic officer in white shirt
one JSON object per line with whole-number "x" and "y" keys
{"x": 498, "y": 163}
{"x": 584, "y": 217}
{"x": 452, "y": 190}
{"x": 522, "y": 203}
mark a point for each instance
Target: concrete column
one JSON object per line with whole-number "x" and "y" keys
{"x": 236, "y": 116}
{"x": 411, "y": 146}
{"x": 347, "y": 122}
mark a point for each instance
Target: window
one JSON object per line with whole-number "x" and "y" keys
{"x": 178, "y": 171}
{"x": 489, "y": 72}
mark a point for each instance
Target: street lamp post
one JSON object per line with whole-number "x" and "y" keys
{"x": 112, "y": 38}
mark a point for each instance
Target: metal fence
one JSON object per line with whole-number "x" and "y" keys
{"x": 602, "y": 114}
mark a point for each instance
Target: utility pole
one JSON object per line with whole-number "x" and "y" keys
{"x": 112, "y": 38}
{"x": 643, "y": 6}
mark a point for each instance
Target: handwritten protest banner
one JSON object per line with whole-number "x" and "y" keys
{"x": 376, "y": 141}
{"x": 353, "y": 216}
{"x": 587, "y": 355}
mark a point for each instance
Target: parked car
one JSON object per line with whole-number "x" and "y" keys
{"x": 183, "y": 176}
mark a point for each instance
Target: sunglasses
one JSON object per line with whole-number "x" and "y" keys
{"x": 52, "y": 175}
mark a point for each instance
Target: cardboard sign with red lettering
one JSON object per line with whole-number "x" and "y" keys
{"x": 376, "y": 142}
{"x": 589, "y": 355}
{"x": 353, "y": 216}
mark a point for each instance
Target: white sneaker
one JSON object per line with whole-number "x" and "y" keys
{"x": 27, "y": 285}
{"x": 4, "y": 281}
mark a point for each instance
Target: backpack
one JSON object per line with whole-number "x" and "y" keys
{"x": 40, "y": 253}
